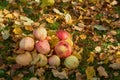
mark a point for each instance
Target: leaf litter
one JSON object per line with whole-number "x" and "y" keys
{"x": 95, "y": 29}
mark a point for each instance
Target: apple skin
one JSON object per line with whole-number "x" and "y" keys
{"x": 71, "y": 62}
{"x": 54, "y": 60}
{"x": 27, "y": 44}
{"x": 63, "y": 49}
{"x": 40, "y": 33}
{"x": 24, "y": 59}
{"x": 43, "y": 46}
{"x": 62, "y": 34}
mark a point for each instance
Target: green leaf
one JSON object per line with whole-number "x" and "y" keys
{"x": 27, "y": 77}
{"x": 98, "y": 16}
{"x": 54, "y": 26}
{"x": 3, "y": 4}
{"x": 2, "y": 73}
{"x": 28, "y": 10}
{"x": 117, "y": 10}
{"x": 26, "y": 32}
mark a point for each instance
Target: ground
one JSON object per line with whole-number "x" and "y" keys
{"x": 94, "y": 27}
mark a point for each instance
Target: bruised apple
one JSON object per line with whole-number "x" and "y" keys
{"x": 43, "y": 46}
{"x": 27, "y": 43}
{"x": 63, "y": 49}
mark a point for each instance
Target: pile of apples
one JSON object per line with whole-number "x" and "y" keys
{"x": 40, "y": 43}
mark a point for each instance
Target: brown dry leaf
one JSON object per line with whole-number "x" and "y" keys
{"x": 78, "y": 76}
{"x": 40, "y": 72}
{"x": 117, "y": 60}
{"x": 30, "y": 28}
{"x": 103, "y": 56}
{"x": 16, "y": 78}
{"x": 115, "y": 24}
{"x": 91, "y": 58}
{"x": 17, "y": 30}
{"x": 102, "y": 72}
{"x": 115, "y": 66}
{"x": 90, "y": 72}
{"x": 116, "y": 73}
{"x": 61, "y": 75}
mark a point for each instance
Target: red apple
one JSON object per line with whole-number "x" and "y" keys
{"x": 63, "y": 49}
{"x": 62, "y": 35}
{"x": 43, "y": 46}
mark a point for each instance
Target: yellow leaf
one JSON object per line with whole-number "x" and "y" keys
{"x": 53, "y": 41}
{"x": 83, "y": 36}
{"x": 69, "y": 40}
{"x": 30, "y": 28}
{"x": 81, "y": 0}
{"x": 49, "y": 20}
{"x": 90, "y": 72}
{"x": 118, "y": 54}
{"x": 93, "y": 1}
{"x": 17, "y": 30}
{"x": 77, "y": 54}
{"x": 9, "y": 16}
{"x": 91, "y": 58}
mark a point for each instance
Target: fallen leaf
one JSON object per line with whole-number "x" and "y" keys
{"x": 91, "y": 58}
{"x": 5, "y": 34}
{"x": 57, "y": 11}
{"x": 40, "y": 72}
{"x": 83, "y": 36}
{"x": 115, "y": 66}
{"x": 100, "y": 27}
{"x": 61, "y": 75}
{"x": 49, "y": 20}
{"x": 34, "y": 78}
{"x": 78, "y": 76}
{"x": 68, "y": 19}
{"x": 98, "y": 49}
{"x": 9, "y": 16}
{"x": 17, "y": 30}
{"x": 102, "y": 72}
{"x": 90, "y": 72}
{"x": 77, "y": 54}
{"x": 116, "y": 73}
{"x": 80, "y": 0}
{"x": 45, "y": 3}
{"x": 66, "y": 1}
{"x": 117, "y": 54}
{"x": 103, "y": 56}
{"x": 30, "y": 28}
